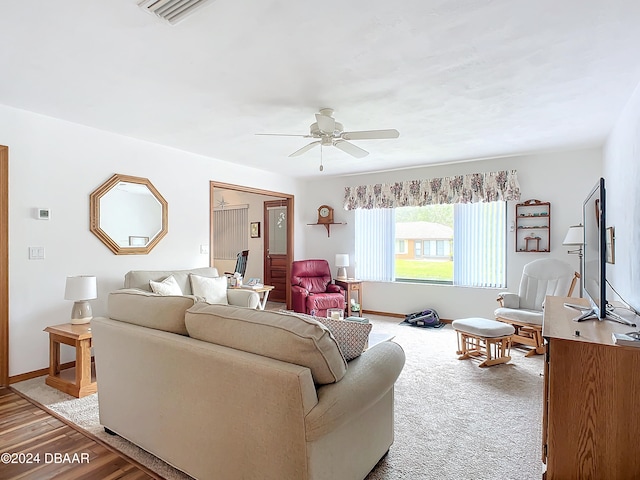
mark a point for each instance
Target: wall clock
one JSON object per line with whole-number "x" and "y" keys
{"x": 325, "y": 214}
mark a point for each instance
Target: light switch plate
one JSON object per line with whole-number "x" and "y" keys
{"x": 36, "y": 253}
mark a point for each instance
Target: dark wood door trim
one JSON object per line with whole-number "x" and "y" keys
{"x": 4, "y": 265}
{"x": 290, "y": 231}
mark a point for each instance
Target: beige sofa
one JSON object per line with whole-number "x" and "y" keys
{"x": 140, "y": 279}
{"x": 226, "y": 392}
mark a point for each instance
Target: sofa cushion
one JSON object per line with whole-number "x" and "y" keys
{"x": 283, "y": 337}
{"x": 162, "y": 312}
{"x": 168, "y": 286}
{"x": 213, "y": 290}
{"x": 352, "y": 337}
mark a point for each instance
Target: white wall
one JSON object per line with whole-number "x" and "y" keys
{"x": 57, "y": 164}
{"x": 563, "y": 178}
{"x": 621, "y": 165}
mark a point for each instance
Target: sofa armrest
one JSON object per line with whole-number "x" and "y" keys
{"x": 243, "y": 297}
{"x": 298, "y": 298}
{"x": 333, "y": 288}
{"x": 369, "y": 377}
{"x": 508, "y": 300}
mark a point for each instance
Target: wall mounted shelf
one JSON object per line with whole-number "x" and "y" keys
{"x": 328, "y": 226}
{"x": 533, "y": 226}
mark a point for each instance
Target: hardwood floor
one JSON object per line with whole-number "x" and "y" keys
{"x": 45, "y": 447}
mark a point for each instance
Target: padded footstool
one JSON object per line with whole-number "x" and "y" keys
{"x": 481, "y": 337}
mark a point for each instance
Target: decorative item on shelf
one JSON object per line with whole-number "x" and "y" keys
{"x": 81, "y": 289}
{"x": 325, "y": 217}
{"x": 325, "y": 214}
{"x": 335, "y": 313}
{"x": 342, "y": 262}
{"x": 575, "y": 238}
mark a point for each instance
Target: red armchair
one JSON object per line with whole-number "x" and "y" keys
{"x": 311, "y": 289}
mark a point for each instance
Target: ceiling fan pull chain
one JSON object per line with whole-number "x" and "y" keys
{"x": 321, "y": 167}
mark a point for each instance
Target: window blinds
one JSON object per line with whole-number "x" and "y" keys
{"x": 230, "y": 232}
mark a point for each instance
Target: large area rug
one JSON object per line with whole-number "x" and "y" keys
{"x": 454, "y": 420}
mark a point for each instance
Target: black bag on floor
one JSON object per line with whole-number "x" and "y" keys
{"x": 425, "y": 318}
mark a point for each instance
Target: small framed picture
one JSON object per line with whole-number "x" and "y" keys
{"x": 255, "y": 229}
{"x": 611, "y": 246}
{"x": 138, "y": 241}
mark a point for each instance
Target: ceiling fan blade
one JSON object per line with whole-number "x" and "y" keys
{"x": 306, "y": 148}
{"x": 371, "y": 134}
{"x": 326, "y": 124}
{"x": 350, "y": 148}
{"x": 284, "y": 135}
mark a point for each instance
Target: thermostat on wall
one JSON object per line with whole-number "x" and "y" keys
{"x": 43, "y": 213}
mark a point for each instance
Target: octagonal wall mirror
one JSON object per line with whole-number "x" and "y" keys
{"x": 128, "y": 215}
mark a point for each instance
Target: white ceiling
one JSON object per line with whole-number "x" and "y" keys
{"x": 460, "y": 79}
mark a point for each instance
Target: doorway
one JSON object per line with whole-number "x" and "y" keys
{"x": 279, "y": 278}
{"x": 4, "y": 265}
{"x": 276, "y": 219}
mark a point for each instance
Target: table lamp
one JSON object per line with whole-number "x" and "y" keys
{"x": 342, "y": 262}
{"x": 81, "y": 289}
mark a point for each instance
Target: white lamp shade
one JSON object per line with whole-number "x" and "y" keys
{"x": 81, "y": 287}
{"x": 575, "y": 236}
{"x": 342, "y": 260}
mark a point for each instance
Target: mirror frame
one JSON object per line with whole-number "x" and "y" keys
{"x": 94, "y": 213}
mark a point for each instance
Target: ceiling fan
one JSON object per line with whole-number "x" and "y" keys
{"x": 330, "y": 133}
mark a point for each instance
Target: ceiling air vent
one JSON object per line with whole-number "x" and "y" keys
{"x": 172, "y": 11}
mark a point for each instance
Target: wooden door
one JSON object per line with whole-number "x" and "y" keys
{"x": 276, "y": 248}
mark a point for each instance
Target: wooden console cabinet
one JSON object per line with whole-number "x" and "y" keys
{"x": 591, "y": 409}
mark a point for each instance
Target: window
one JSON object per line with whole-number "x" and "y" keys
{"x": 461, "y": 244}
{"x": 430, "y": 229}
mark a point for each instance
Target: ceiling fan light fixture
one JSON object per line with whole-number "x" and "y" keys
{"x": 330, "y": 133}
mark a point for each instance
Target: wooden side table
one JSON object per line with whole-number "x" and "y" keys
{"x": 80, "y": 381}
{"x": 351, "y": 286}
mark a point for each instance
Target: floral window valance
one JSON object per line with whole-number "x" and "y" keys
{"x": 471, "y": 188}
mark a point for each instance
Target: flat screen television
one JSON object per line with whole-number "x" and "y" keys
{"x": 594, "y": 267}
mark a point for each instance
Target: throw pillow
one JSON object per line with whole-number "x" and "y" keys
{"x": 212, "y": 289}
{"x": 351, "y": 337}
{"x": 168, "y": 286}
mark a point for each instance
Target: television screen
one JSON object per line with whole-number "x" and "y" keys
{"x": 594, "y": 255}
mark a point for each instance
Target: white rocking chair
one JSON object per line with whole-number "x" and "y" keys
{"x": 524, "y": 310}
